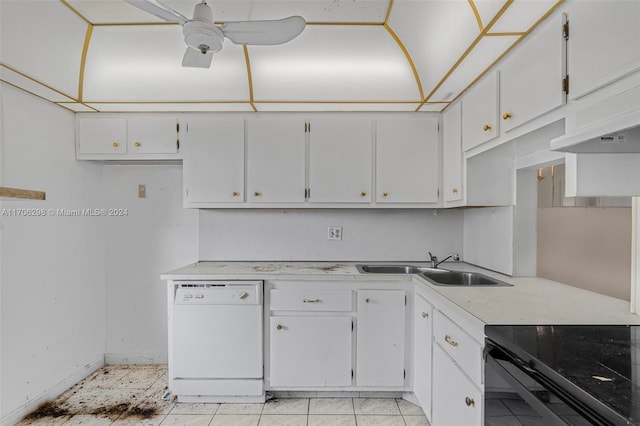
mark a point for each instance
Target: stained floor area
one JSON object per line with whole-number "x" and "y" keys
{"x": 136, "y": 395}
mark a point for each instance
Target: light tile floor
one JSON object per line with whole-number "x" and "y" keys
{"x": 134, "y": 395}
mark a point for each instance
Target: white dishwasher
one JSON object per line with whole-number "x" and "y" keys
{"x": 215, "y": 341}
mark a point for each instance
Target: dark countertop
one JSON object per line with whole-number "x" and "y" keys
{"x": 589, "y": 361}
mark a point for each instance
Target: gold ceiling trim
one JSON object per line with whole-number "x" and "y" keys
{"x": 40, "y": 96}
{"x": 337, "y": 102}
{"x": 162, "y": 102}
{"x": 249, "y": 78}
{"x": 388, "y": 15}
{"x": 477, "y": 40}
{"x": 83, "y": 61}
{"x": 514, "y": 44}
{"x": 407, "y": 55}
{"x": 63, "y": 105}
{"x": 135, "y": 24}
{"x": 507, "y": 33}
{"x": 28, "y": 77}
{"x": 474, "y": 8}
{"x": 73, "y": 9}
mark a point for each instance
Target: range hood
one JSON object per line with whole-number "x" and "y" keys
{"x": 615, "y": 136}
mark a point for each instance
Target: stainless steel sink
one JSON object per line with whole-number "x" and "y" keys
{"x": 391, "y": 269}
{"x": 459, "y": 278}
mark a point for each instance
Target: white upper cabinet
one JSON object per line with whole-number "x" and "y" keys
{"x": 407, "y": 160}
{"x": 452, "y": 153}
{"x": 100, "y": 136}
{"x": 213, "y": 165}
{"x": 276, "y": 160}
{"x": 480, "y": 112}
{"x": 122, "y": 137}
{"x": 340, "y": 160}
{"x": 531, "y": 80}
{"x": 153, "y": 135}
{"x": 604, "y": 43}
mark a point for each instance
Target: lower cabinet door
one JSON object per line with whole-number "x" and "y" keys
{"x": 422, "y": 343}
{"x": 456, "y": 400}
{"x": 308, "y": 351}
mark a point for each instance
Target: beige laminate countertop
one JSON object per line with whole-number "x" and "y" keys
{"x": 530, "y": 301}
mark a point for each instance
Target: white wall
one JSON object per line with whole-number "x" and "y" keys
{"x": 384, "y": 235}
{"x": 156, "y": 235}
{"x": 52, "y": 267}
{"x": 488, "y": 238}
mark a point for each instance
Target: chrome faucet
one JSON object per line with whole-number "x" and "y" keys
{"x": 434, "y": 259}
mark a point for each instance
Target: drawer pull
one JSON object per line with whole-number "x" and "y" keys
{"x": 486, "y": 127}
{"x": 278, "y": 327}
{"x": 470, "y": 402}
{"x": 425, "y": 315}
{"x": 244, "y": 295}
{"x": 450, "y": 341}
{"x": 115, "y": 144}
{"x": 311, "y": 300}
{"x": 137, "y": 144}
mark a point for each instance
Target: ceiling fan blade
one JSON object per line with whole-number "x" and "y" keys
{"x": 159, "y": 10}
{"x": 195, "y": 59}
{"x": 264, "y": 32}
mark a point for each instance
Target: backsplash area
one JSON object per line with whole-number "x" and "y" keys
{"x": 298, "y": 235}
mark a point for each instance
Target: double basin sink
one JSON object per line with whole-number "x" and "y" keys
{"x": 435, "y": 275}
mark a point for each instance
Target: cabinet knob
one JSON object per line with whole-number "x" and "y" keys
{"x": 138, "y": 144}
{"x": 363, "y": 194}
{"x": 235, "y": 193}
{"x": 367, "y": 300}
{"x": 116, "y": 144}
{"x": 257, "y": 194}
{"x": 450, "y": 341}
{"x": 384, "y": 194}
{"x": 486, "y": 127}
{"x": 425, "y": 315}
{"x": 454, "y": 190}
{"x": 506, "y": 116}
{"x": 469, "y": 401}
{"x": 244, "y": 295}
{"x": 278, "y": 327}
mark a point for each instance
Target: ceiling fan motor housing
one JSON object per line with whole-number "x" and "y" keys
{"x": 201, "y": 33}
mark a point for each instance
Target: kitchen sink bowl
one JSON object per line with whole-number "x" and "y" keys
{"x": 392, "y": 269}
{"x": 458, "y": 278}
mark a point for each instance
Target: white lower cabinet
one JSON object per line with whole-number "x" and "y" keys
{"x": 422, "y": 353}
{"x": 456, "y": 399}
{"x": 380, "y": 338}
{"x": 310, "y": 351}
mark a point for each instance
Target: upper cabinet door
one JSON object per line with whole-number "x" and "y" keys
{"x": 340, "y": 158}
{"x": 407, "y": 160}
{"x": 531, "y": 80}
{"x": 213, "y": 165}
{"x": 604, "y": 43}
{"x": 276, "y": 160}
{"x": 102, "y": 136}
{"x": 480, "y": 112}
{"x": 153, "y": 135}
{"x": 452, "y": 153}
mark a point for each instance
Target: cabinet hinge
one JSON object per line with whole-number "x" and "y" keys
{"x": 405, "y": 300}
{"x": 178, "y": 127}
{"x": 565, "y": 84}
{"x": 404, "y": 374}
{"x": 565, "y": 30}
{"x": 352, "y": 373}
{"x": 351, "y": 325}
{"x": 305, "y": 127}
{"x": 178, "y": 144}
{"x": 187, "y": 191}
{"x": 308, "y": 193}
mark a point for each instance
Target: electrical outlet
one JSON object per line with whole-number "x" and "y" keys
{"x": 335, "y": 233}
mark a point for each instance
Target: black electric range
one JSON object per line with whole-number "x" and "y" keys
{"x": 595, "y": 369}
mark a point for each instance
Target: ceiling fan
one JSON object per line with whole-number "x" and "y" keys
{"x": 203, "y": 38}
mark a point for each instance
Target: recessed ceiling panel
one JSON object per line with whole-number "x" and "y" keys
{"x": 172, "y": 107}
{"x": 476, "y": 63}
{"x": 334, "y": 63}
{"x": 521, "y": 15}
{"x": 143, "y": 64}
{"x": 337, "y": 106}
{"x": 43, "y": 40}
{"x": 435, "y": 33}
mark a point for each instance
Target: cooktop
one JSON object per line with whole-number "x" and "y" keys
{"x": 596, "y": 363}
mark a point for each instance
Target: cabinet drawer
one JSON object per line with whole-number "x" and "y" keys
{"x": 311, "y": 300}
{"x": 462, "y": 348}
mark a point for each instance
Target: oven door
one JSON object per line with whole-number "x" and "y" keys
{"x": 551, "y": 402}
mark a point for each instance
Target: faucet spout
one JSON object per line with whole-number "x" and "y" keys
{"x": 435, "y": 262}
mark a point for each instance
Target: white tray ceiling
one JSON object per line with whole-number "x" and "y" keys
{"x": 354, "y": 55}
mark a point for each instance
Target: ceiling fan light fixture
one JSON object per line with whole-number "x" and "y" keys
{"x": 202, "y": 36}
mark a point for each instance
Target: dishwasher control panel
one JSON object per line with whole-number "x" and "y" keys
{"x": 217, "y": 293}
